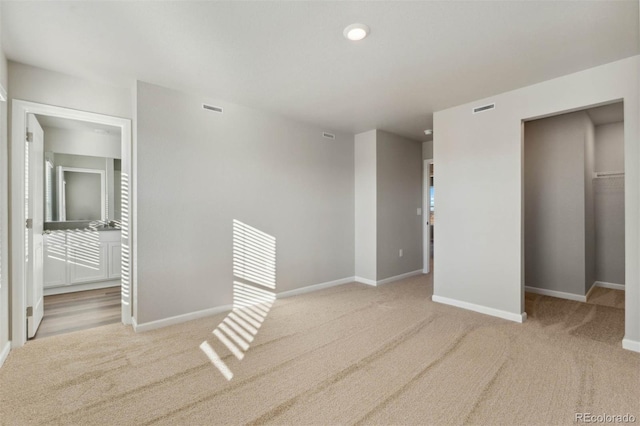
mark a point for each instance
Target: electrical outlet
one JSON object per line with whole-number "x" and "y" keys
{"x": 419, "y": 211}
{"x": 400, "y": 253}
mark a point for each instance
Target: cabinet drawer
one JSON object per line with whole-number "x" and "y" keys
{"x": 55, "y": 238}
{"x": 110, "y": 236}
{"x": 83, "y": 236}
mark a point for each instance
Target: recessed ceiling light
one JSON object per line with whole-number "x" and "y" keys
{"x": 355, "y": 32}
{"x": 428, "y": 132}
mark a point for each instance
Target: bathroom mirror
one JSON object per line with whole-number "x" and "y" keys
{"x": 81, "y": 188}
{"x": 81, "y": 194}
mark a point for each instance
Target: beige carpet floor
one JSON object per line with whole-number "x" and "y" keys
{"x": 351, "y": 354}
{"x": 607, "y": 297}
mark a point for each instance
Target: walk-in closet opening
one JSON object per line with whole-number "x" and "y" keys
{"x": 574, "y": 224}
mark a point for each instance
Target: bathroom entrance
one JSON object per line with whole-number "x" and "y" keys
{"x": 71, "y": 170}
{"x": 78, "y": 213}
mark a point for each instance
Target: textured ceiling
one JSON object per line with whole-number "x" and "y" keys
{"x": 291, "y": 58}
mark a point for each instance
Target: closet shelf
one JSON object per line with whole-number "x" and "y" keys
{"x": 608, "y": 174}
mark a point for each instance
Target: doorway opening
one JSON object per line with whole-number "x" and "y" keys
{"x": 574, "y": 220}
{"x": 81, "y": 225}
{"x": 71, "y": 220}
{"x": 428, "y": 207}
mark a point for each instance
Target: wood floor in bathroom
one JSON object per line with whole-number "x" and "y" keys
{"x": 64, "y": 313}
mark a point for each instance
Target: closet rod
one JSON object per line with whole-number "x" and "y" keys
{"x": 609, "y": 174}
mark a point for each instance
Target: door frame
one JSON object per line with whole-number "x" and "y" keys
{"x": 20, "y": 109}
{"x": 426, "y": 209}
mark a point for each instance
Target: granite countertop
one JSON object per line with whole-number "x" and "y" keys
{"x": 78, "y": 224}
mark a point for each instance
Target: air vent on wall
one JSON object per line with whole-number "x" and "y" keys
{"x": 213, "y": 108}
{"x": 483, "y": 108}
{"x": 328, "y": 135}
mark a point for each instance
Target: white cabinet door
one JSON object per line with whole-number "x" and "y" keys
{"x": 114, "y": 260}
{"x": 87, "y": 262}
{"x": 55, "y": 265}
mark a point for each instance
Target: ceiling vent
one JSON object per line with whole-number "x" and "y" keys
{"x": 213, "y": 108}
{"x": 483, "y": 108}
{"x": 328, "y": 135}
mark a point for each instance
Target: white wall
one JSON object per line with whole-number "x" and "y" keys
{"x": 4, "y": 211}
{"x": 365, "y": 205}
{"x": 610, "y": 147}
{"x": 427, "y": 150}
{"x": 480, "y": 214}
{"x": 29, "y": 83}
{"x": 399, "y": 195}
{"x": 555, "y": 198}
{"x": 198, "y": 171}
{"x": 589, "y": 204}
{"x": 80, "y": 161}
{"x": 609, "y": 204}
{"x": 66, "y": 141}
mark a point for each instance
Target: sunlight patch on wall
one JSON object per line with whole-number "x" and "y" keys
{"x": 125, "y": 279}
{"x": 254, "y": 272}
{"x": 254, "y": 255}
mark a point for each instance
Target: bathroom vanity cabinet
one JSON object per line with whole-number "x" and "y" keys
{"x": 76, "y": 260}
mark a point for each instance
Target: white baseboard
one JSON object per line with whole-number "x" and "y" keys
{"x": 631, "y": 345}
{"x": 152, "y": 325}
{"x": 314, "y": 287}
{"x": 388, "y": 280}
{"x": 165, "y": 322}
{"x": 593, "y": 286}
{"x": 481, "y": 309}
{"x": 366, "y": 281}
{"x": 572, "y": 296}
{"x": 554, "y": 293}
{"x": 80, "y": 287}
{"x": 399, "y": 277}
{"x": 609, "y": 285}
{"x": 5, "y": 352}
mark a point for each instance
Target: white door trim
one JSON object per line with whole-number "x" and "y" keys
{"x": 426, "y": 217}
{"x": 20, "y": 109}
